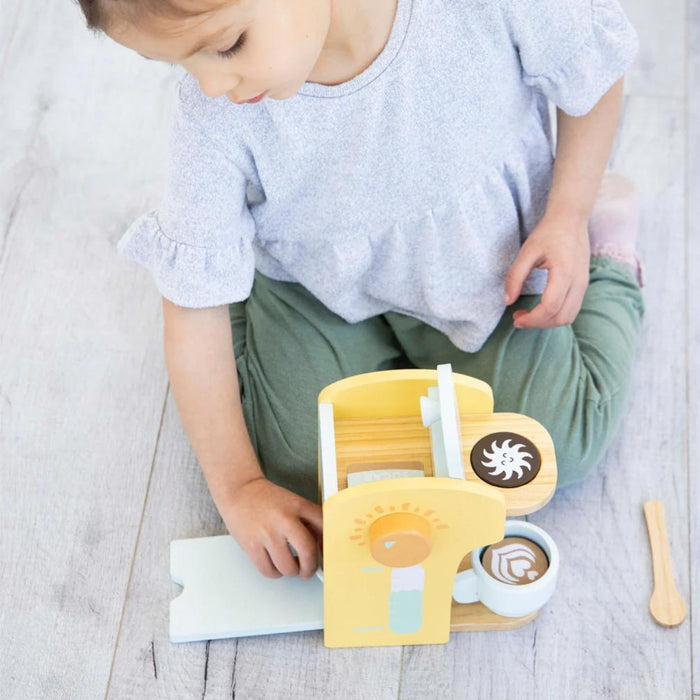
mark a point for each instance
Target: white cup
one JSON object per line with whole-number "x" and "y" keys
{"x": 505, "y": 599}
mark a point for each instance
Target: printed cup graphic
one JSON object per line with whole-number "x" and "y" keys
{"x": 406, "y": 599}
{"x": 516, "y": 579}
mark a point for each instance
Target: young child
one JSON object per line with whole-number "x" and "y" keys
{"x": 370, "y": 185}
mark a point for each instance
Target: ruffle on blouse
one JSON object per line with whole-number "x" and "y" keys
{"x": 189, "y": 275}
{"x": 606, "y": 54}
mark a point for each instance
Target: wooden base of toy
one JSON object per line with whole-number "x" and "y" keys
{"x": 476, "y": 617}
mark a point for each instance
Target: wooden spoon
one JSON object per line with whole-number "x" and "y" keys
{"x": 666, "y": 605}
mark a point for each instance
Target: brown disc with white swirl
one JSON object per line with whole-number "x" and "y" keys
{"x": 507, "y": 460}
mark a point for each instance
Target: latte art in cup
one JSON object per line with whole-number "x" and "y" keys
{"x": 515, "y": 560}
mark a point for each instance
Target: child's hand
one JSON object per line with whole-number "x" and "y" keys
{"x": 559, "y": 243}
{"x": 265, "y": 519}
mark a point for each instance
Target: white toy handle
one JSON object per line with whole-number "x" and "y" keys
{"x": 464, "y": 589}
{"x": 440, "y": 412}
{"x": 430, "y": 407}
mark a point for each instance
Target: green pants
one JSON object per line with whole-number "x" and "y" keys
{"x": 572, "y": 379}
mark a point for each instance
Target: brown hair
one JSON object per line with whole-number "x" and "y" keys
{"x": 101, "y": 15}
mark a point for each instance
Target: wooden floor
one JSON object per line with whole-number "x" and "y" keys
{"x": 97, "y": 475}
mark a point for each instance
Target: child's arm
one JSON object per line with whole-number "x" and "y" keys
{"x": 261, "y": 516}
{"x": 559, "y": 243}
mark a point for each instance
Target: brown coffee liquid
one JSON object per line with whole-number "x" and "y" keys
{"x": 515, "y": 560}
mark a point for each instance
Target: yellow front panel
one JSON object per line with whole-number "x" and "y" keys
{"x": 369, "y": 604}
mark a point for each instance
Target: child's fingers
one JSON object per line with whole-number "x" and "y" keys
{"x": 313, "y": 515}
{"x": 573, "y": 303}
{"x": 282, "y": 558}
{"x": 263, "y": 563}
{"x": 548, "y": 312}
{"x": 305, "y": 546}
{"x": 527, "y": 259}
{"x": 566, "y": 315}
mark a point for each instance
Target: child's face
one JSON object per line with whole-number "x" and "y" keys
{"x": 280, "y": 43}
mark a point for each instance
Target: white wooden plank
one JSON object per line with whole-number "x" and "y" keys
{"x": 605, "y": 605}
{"x": 693, "y": 319}
{"x": 659, "y": 68}
{"x": 274, "y": 666}
{"x": 82, "y": 151}
{"x": 146, "y": 664}
{"x": 611, "y": 645}
{"x": 595, "y": 638}
{"x": 82, "y": 379}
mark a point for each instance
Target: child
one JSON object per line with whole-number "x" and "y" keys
{"x": 383, "y": 194}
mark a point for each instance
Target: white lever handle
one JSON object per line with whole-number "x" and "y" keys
{"x": 429, "y": 410}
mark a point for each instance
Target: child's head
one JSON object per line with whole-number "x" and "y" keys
{"x": 239, "y": 48}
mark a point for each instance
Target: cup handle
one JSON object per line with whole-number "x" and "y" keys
{"x": 464, "y": 589}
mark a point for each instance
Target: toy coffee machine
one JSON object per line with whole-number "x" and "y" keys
{"x": 417, "y": 476}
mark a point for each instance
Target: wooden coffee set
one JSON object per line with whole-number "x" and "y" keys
{"x": 417, "y": 476}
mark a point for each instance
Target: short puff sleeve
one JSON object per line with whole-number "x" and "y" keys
{"x": 571, "y": 50}
{"x": 198, "y": 243}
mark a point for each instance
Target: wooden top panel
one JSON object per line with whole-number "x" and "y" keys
{"x": 404, "y": 439}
